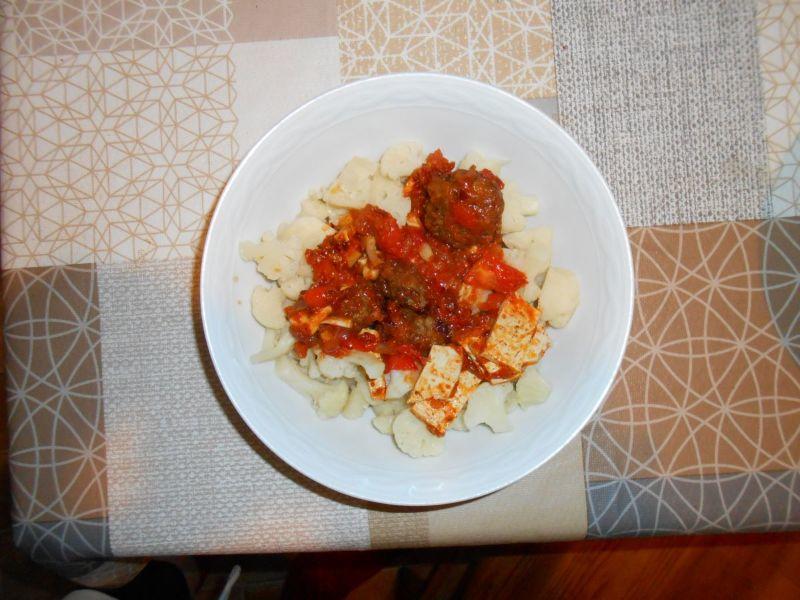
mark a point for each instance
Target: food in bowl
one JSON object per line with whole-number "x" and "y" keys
{"x": 414, "y": 288}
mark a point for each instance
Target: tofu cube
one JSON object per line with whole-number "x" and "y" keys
{"x": 439, "y": 413}
{"x": 439, "y": 375}
{"x": 511, "y": 334}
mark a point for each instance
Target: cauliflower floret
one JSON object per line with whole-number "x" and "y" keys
{"x": 347, "y": 365}
{"x": 530, "y": 251}
{"x": 357, "y": 401}
{"x": 352, "y": 187}
{"x": 371, "y": 362}
{"x": 314, "y": 206}
{"x": 292, "y": 286}
{"x": 515, "y": 258}
{"x": 480, "y": 162}
{"x": 275, "y": 259}
{"x": 413, "y": 438}
{"x": 539, "y": 253}
{"x": 401, "y": 159}
{"x": 329, "y": 398}
{"x": 279, "y": 259}
{"x": 331, "y": 403}
{"x": 276, "y": 343}
{"x": 560, "y": 296}
{"x": 487, "y": 405}
{"x": 389, "y": 407}
{"x": 458, "y": 423}
{"x": 519, "y": 239}
{"x": 252, "y": 251}
{"x": 267, "y": 307}
{"x": 309, "y": 231}
{"x": 388, "y": 195}
{"x": 383, "y": 423}
{"x": 310, "y": 363}
{"x": 400, "y": 383}
{"x": 513, "y": 220}
{"x": 334, "y": 368}
{"x": 303, "y": 270}
{"x": 530, "y": 389}
{"x": 527, "y": 205}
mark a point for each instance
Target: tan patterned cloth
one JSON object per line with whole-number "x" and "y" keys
{"x": 118, "y": 132}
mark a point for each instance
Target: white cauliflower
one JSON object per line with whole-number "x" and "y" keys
{"x": 371, "y": 362}
{"x": 292, "y": 286}
{"x": 276, "y": 343}
{"x": 519, "y": 240}
{"x": 487, "y": 405}
{"x": 383, "y": 423}
{"x": 347, "y": 365}
{"x": 458, "y": 423}
{"x": 412, "y": 436}
{"x": 531, "y": 388}
{"x": 334, "y": 367}
{"x": 311, "y": 366}
{"x": 530, "y": 251}
{"x": 480, "y": 162}
{"x": 309, "y": 231}
{"x": 352, "y": 187}
{"x": 276, "y": 259}
{"x": 389, "y": 407}
{"x": 515, "y": 258}
{"x": 401, "y": 159}
{"x": 358, "y": 400}
{"x": 539, "y": 253}
{"x": 314, "y": 206}
{"x": 388, "y": 195}
{"x": 329, "y": 398}
{"x": 266, "y": 304}
{"x": 513, "y": 220}
{"x": 527, "y": 205}
{"x": 560, "y": 296}
{"x": 400, "y": 383}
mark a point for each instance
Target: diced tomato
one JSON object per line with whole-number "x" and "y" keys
{"x": 320, "y": 295}
{"x": 330, "y": 262}
{"x": 491, "y": 272}
{"x": 300, "y": 349}
{"x": 396, "y": 241}
{"x": 493, "y": 302}
{"x": 339, "y": 341}
{"x": 400, "y": 362}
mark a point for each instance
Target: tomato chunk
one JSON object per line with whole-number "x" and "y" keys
{"x": 491, "y": 272}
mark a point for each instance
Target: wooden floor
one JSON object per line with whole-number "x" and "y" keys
{"x": 741, "y": 566}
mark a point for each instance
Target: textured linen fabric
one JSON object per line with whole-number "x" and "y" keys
{"x": 184, "y": 472}
{"x": 666, "y": 98}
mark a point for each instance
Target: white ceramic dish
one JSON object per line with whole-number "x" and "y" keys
{"x": 307, "y": 149}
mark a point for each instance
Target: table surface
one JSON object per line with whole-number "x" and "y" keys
{"x": 121, "y": 122}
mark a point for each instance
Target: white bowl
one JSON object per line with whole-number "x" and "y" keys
{"x": 306, "y": 150}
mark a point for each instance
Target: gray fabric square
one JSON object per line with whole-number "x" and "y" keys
{"x": 768, "y": 501}
{"x": 184, "y": 472}
{"x": 665, "y": 95}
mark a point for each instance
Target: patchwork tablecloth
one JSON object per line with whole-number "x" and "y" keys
{"x": 122, "y": 120}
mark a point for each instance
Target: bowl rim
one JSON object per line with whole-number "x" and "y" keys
{"x": 366, "y": 82}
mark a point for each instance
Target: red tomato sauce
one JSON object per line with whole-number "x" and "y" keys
{"x": 397, "y": 289}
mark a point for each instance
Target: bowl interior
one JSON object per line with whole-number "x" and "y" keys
{"x": 306, "y": 150}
